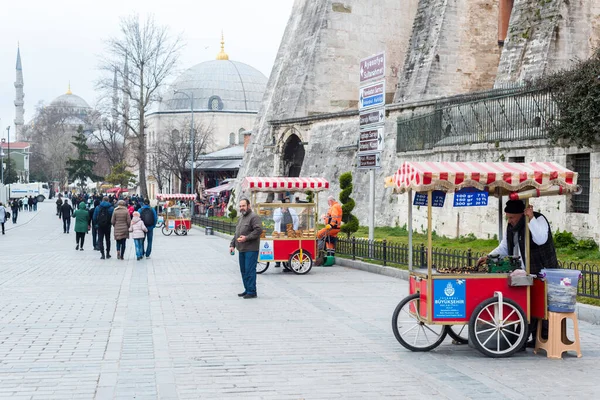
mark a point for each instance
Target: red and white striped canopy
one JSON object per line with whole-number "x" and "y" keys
{"x": 281, "y": 184}
{"x": 175, "y": 196}
{"x": 509, "y": 177}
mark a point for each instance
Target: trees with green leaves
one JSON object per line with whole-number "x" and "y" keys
{"x": 82, "y": 167}
{"x": 350, "y": 221}
{"x": 576, "y": 93}
{"x": 119, "y": 175}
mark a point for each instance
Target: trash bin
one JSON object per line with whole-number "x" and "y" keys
{"x": 208, "y": 230}
{"x": 562, "y": 288}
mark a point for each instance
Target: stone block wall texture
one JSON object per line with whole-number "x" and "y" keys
{"x": 545, "y": 36}
{"x": 453, "y": 49}
{"x": 317, "y": 67}
{"x": 434, "y": 48}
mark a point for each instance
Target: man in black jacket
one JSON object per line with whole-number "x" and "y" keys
{"x": 541, "y": 246}
{"x": 66, "y": 213}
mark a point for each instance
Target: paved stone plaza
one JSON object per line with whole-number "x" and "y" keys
{"x": 172, "y": 327}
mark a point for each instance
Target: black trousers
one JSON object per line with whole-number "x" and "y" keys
{"x": 104, "y": 233}
{"x": 80, "y": 238}
{"x": 66, "y": 224}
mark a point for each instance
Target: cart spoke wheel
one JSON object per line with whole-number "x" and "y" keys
{"x": 300, "y": 263}
{"x": 261, "y": 267}
{"x": 495, "y": 333}
{"x": 459, "y": 333}
{"x": 166, "y": 231}
{"x": 411, "y": 331}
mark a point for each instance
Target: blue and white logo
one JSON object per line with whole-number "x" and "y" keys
{"x": 266, "y": 252}
{"x": 449, "y": 298}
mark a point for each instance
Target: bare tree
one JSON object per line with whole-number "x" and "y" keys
{"x": 108, "y": 136}
{"x": 159, "y": 168}
{"x": 173, "y": 149}
{"x": 50, "y": 135}
{"x": 143, "y": 56}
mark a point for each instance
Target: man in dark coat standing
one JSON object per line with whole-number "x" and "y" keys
{"x": 247, "y": 241}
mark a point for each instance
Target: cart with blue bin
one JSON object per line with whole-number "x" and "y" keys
{"x": 484, "y": 306}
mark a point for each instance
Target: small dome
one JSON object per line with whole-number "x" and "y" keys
{"x": 219, "y": 85}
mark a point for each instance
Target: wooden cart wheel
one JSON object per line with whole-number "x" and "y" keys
{"x": 413, "y": 333}
{"x": 459, "y": 333}
{"x": 299, "y": 265}
{"x": 498, "y": 331}
{"x": 261, "y": 267}
{"x": 166, "y": 231}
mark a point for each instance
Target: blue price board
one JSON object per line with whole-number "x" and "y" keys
{"x": 437, "y": 200}
{"x": 449, "y": 298}
{"x": 470, "y": 197}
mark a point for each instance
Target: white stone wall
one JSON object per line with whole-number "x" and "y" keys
{"x": 221, "y": 123}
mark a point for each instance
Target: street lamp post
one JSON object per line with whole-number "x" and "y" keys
{"x": 192, "y": 158}
{"x": 2, "y": 161}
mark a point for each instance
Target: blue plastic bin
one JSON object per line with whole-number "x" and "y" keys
{"x": 562, "y": 288}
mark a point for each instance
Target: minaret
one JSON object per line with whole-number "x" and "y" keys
{"x": 126, "y": 94}
{"x": 19, "y": 110}
{"x": 115, "y": 99}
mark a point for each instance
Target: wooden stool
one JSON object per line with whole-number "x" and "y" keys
{"x": 557, "y": 342}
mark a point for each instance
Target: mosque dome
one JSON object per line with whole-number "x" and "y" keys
{"x": 70, "y": 101}
{"x": 218, "y": 85}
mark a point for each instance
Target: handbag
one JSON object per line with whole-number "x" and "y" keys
{"x": 7, "y": 215}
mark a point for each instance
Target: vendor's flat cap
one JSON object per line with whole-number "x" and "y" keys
{"x": 514, "y": 207}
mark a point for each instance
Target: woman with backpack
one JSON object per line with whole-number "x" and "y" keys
{"x": 121, "y": 222}
{"x": 138, "y": 229}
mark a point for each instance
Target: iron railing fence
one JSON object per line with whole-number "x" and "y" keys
{"x": 491, "y": 116}
{"x": 216, "y": 224}
{"x": 397, "y": 254}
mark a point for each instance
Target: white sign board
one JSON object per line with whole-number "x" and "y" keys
{"x": 372, "y": 95}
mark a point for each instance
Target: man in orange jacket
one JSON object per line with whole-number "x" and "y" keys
{"x": 333, "y": 222}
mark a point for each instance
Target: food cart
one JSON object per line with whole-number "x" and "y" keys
{"x": 294, "y": 244}
{"x": 175, "y": 218}
{"x": 482, "y": 305}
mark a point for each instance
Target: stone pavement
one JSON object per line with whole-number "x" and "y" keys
{"x": 73, "y": 326}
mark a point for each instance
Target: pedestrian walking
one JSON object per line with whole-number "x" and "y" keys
{"x": 15, "y": 210}
{"x": 66, "y": 212}
{"x": 121, "y": 222}
{"x": 82, "y": 225}
{"x": 102, "y": 219}
{"x": 247, "y": 242}
{"x": 29, "y": 204}
{"x": 94, "y": 227}
{"x": 149, "y": 217}
{"x": 138, "y": 230}
{"x": 2, "y": 216}
{"x": 35, "y": 201}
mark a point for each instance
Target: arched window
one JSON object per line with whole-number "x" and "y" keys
{"x": 241, "y": 136}
{"x": 215, "y": 103}
{"x": 231, "y": 138}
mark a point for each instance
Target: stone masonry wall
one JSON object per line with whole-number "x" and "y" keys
{"x": 453, "y": 49}
{"x": 546, "y": 36}
{"x": 317, "y": 66}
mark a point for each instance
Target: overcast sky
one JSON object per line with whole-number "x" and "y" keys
{"x": 61, "y": 40}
